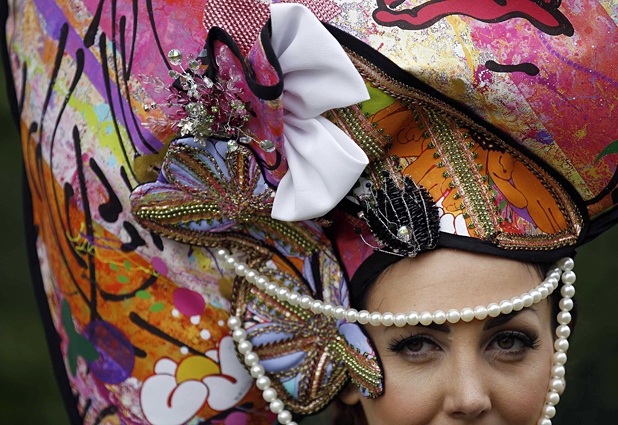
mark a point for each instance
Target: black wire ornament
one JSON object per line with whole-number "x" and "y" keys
{"x": 403, "y": 218}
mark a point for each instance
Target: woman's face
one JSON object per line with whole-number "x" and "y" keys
{"x": 495, "y": 371}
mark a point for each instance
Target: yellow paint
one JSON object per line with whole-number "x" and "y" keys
{"x": 196, "y": 368}
{"x": 582, "y": 133}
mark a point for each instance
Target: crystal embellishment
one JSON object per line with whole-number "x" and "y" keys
{"x": 404, "y": 233}
{"x": 175, "y": 57}
{"x": 267, "y": 145}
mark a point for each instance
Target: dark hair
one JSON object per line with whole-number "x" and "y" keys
{"x": 359, "y": 289}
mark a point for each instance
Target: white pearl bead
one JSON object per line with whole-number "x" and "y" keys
{"x": 388, "y": 319}
{"x": 285, "y": 417}
{"x": 328, "y": 309}
{"x": 480, "y": 312}
{"x": 263, "y": 383}
{"x": 221, "y": 253}
{"x": 558, "y": 371}
{"x": 363, "y": 317}
{"x": 453, "y": 315}
{"x": 561, "y": 345}
{"x": 241, "y": 269}
{"x": 283, "y": 293}
{"x": 400, "y": 320}
{"x": 351, "y": 315}
{"x": 544, "y": 421}
{"x": 566, "y": 304}
{"x": 292, "y": 423}
{"x": 276, "y": 406}
{"x": 555, "y": 274}
{"x": 229, "y": 263}
{"x": 536, "y": 295}
{"x": 467, "y": 314}
{"x": 412, "y": 318}
{"x": 552, "y": 398}
{"x": 559, "y": 359}
{"x": 305, "y": 301}
{"x": 566, "y": 264}
{"x": 251, "y": 358}
{"x": 543, "y": 290}
{"x": 233, "y": 322}
{"x": 552, "y": 281}
{"x": 316, "y": 307}
{"x": 294, "y": 298}
{"x": 269, "y": 395}
{"x": 518, "y": 303}
{"x": 257, "y": 370}
{"x": 425, "y": 318}
{"x": 244, "y": 347}
{"x": 493, "y": 310}
{"x": 506, "y": 307}
{"x": 527, "y": 299}
{"x": 239, "y": 335}
{"x": 564, "y": 317}
{"x": 550, "y": 288}
{"x": 271, "y": 288}
{"x": 375, "y": 319}
{"x": 339, "y": 312}
{"x": 549, "y": 411}
{"x": 563, "y": 331}
{"x": 251, "y": 276}
{"x": 261, "y": 283}
{"x": 568, "y": 291}
{"x": 568, "y": 278}
{"x": 439, "y": 317}
{"x": 556, "y": 385}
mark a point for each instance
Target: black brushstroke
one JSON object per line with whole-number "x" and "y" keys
{"x": 94, "y": 26}
{"x": 125, "y": 178}
{"x": 86, "y": 408}
{"x": 110, "y": 210}
{"x": 108, "y": 90}
{"x": 155, "y": 33}
{"x": 317, "y": 276}
{"x": 527, "y": 67}
{"x": 137, "y": 320}
{"x": 606, "y": 190}
{"x": 22, "y": 94}
{"x": 108, "y": 411}
{"x": 62, "y": 42}
{"x": 156, "y": 239}
{"x": 88, "y": 221}
{"x": 136, "y": 239}
{"x": 68, "y": 194}
{"x": 121, "y": 297}
{"x": 31, "y": 130}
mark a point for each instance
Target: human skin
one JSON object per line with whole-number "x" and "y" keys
{"x": 481, "y": 372}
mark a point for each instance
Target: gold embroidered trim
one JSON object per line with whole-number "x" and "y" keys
{"x": 411, "y": 96}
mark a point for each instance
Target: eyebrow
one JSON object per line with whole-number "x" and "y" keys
{"x": 504, "y": 318}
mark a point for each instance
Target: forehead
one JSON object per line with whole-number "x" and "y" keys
{"x": 445, "y": 278}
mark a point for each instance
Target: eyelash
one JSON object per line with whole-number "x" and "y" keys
{"x": 530, "y": 341}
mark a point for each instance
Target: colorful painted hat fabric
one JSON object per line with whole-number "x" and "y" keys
{"x": 151, "y": 139}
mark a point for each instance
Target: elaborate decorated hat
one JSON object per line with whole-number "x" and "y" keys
{"x": 207, "y": 198}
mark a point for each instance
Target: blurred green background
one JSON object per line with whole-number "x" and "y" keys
{"x": 29, "y": 393}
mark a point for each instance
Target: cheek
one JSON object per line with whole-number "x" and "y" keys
{"x": 412, "y": 396}
{"x": 519, "y": 395}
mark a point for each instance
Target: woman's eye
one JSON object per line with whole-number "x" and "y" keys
{"x": 513, "y": 343}
{"x": 508, "y": 342}
{"x": 415, "y": 347}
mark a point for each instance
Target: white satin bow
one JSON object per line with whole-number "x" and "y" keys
{"x": 324, "y": 163}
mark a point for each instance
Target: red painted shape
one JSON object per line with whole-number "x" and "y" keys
{"x": 542, "y": 14}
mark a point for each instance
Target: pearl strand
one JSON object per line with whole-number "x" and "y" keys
{"x": 252, "y": 360}
{"x": 563, "y": 271}
{"x": 561, "y": 345}
{"x": 413, "y": 318}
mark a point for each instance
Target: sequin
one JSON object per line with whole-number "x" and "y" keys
{"x": 175, "y": 57}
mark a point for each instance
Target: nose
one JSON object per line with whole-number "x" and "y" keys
{"x": 467, "y": 395}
